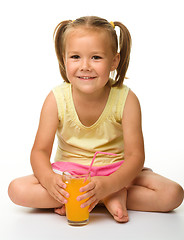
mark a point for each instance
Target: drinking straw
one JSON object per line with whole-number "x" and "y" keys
{"x": 98, "y": 152}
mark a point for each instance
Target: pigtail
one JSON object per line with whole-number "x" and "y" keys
{"x": 125, "y": 47}
{"x": 92, "y": 21}
{"x": 59, "y": 45}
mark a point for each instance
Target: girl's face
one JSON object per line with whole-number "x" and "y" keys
{"x": 89, "y": 59}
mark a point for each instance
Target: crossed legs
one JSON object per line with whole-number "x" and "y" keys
{"x": 148, "y": 192}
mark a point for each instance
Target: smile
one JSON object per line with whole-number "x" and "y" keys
{"x": 86, "y": 78}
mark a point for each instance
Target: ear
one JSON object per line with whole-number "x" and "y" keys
{"x": 115, "y": 62}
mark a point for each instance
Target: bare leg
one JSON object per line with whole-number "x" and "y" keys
{"x": 148, "y": 192}
{"x": 28, "y": 192}
{"x": 152, "y": 192}
{"x": 116, "y": 205}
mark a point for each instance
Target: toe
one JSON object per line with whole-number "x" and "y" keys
{"x": 121, "y": 216}
{"x": 61, "y": 211}
{"x": 124, "y": 219}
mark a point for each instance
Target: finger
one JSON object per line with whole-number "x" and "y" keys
{"x": 59, "y": 196}
{"x": 52, "y": 194}
{"x": 88, "y": 187}
{"x": 92, "y": 205}
{"x": 88, "y": 202}
{"x": 62, "y": 191}
{"x": 85, "y": 195}
{"x": 60, "y": 183}
{"x": 64, "y": 201}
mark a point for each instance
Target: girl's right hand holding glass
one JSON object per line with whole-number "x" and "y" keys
{"x": 55, "y": 187}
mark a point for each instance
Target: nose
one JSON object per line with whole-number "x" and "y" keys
{"x": 85, "y": 65}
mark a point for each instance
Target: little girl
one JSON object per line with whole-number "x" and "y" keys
{"x": 92, "y": 112}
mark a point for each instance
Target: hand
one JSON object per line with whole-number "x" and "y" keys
{"x": 96, "y": 190}
{"x": 55, "y": 186}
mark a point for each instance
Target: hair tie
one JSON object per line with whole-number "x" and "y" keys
{"x": 112, "y": 23}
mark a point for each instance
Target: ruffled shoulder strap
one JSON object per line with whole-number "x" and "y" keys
{"x": 120, "y": 99}
{"x": 60, "y": 95}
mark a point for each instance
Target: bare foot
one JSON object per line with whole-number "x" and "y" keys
{"x": 116, "y": 205}
{"x": 61, "y": 211}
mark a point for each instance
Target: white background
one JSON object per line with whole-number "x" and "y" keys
{"x": 29, "y": 70}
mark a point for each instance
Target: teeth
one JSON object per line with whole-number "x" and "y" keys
{"x": 86, "y": 77}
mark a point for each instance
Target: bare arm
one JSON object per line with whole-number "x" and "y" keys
{"x": 133, "y": 145}
{"x": 102, "y": 186}
{"x": 42, "y": 148}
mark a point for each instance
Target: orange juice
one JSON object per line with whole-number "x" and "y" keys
{"x": 75, "y": 214}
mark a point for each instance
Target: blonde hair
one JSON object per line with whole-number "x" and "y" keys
{"x": 96, "y": 23}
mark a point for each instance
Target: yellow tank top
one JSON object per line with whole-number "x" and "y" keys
{"x": 78, "y": 143}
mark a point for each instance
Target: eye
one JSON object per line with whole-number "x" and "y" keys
{"x": 75, "y": 57}
{"x": 96, "y": 57}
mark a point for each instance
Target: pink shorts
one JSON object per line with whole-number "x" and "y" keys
{"x": 76, "y": 168}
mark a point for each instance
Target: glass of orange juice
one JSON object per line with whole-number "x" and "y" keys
{"x": 76, "y": 215}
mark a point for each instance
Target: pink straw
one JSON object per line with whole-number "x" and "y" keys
{"x": 98, "y": 152}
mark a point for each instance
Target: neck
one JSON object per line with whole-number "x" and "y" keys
{"x": 93, "y": 97}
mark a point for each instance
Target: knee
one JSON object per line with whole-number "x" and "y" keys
{"x": 172, "y": 197}
{"x": 15, "y": 191}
